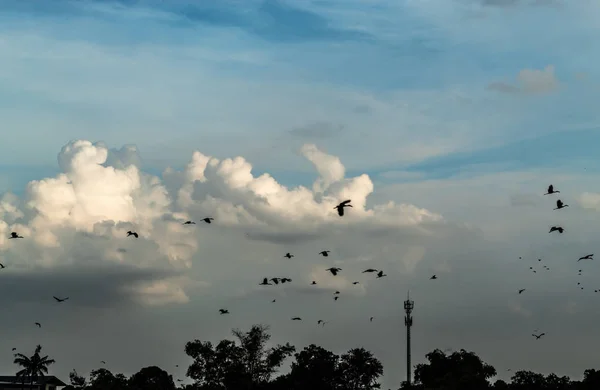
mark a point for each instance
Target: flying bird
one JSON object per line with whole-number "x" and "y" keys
{"x": 2, "y": 266}
{"x": 538, "y": 336}
{"x": 324, "y": 253}
{"x": 38, "y": 324}
{"x": 288, "y": 255}
{"x": 60, "y": 299}
{"x": 521, "y": 290}
{"x": 313, "y": 283}
{"x": 208, "y": 219}
{"x": 285, "y": 280}
{"x": 433, "y": 277}
{"x": 334, "y": 270}
{"x": 340, "y": 207}
{"x": 14, "y": 349}
{"x": 321, "y": 322}
{"x": 336, "y": 293}
{"x": 556, "y": 229}
{"x": 336, "y": 298}
{"x": 369, "y": 270}
{"x": 265, "y": 282}
{"x": 371, "y": 319}
{"x": 102, "y": 361}
{"x": 355, "y": 282}
{"x": 296, "y": 319}
{"x": 273, "y": 300}
{"x": 560, "y": 205}
{"x": 380, "y": 274}
{"x": 275, "y": 280}
{"x": 586, "y": 257}
{"x": 130, "y": 233}
{"x": 189, "y": 223}
{"x": 551, "y": 190}
{"x": 14, "y": 235}
{"x": 223, "y": 311}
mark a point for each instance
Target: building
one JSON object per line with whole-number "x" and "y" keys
{"x": 42, "y": 383}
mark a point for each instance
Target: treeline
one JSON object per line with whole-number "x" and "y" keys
{"x": 247, "y": 364}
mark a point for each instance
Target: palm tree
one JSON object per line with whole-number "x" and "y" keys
{"x": 33, "y": 366}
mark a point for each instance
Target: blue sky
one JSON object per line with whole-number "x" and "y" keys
{"x": 468, "y": 108}
{"x": 406, "y": 83}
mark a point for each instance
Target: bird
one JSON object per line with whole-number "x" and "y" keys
{"x": 177, "y": 365}
{"x": 2, "y": 266}
{"x": 521, "y": 290}
{"x": 336, "y": 293}
{"x": 223, "y": 311}
{"x": 371, "y": 319}
{"x": 355, "y": 282}
{"x": 102, "y": 361}
{"x": 340, "y": 207}
{"x": 288, "y": 255}
{"x": 285, "y": 280}
{"x": 14, "y": 235}
{"x": 208, "y": 219}
{"x": 130, "y": 233}
{"x": 551, "y": 190}
{"x": 586, "y": 257}
{"x": 189, "y": 223}
{"x": 296, "y": 319}
{"x": 313, "y": 283}
{"x": 324, "y": 253}
{"x": 560, "y": 205}
{"x": 336, "y": 298}
{"x": 38, "y": 324}
{"x": 370, "y": 270}
{"x": 273, "y": 300}
{"x": 556, "y": 229}
{"x": 14, "y": 349}
{"x": 538, "y": 336}
{"x": 275, "y": 280}
{"x": 321, "y": 322}
{"x": 60, "y": 299}
{"x": 380, "y": 274}
{"x": 265, "y": 282}
{"x": 334, "y": 270}
{"x": 433, "y": 277}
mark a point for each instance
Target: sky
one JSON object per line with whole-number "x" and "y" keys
{"x": 443, "y": 121}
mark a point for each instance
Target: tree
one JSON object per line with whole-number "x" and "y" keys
{"x": 591, "y": 380}
{"x": 359, "y": 370}
{"x": 103, "y": 379}
{"x": 314, "y": 368}
{"x": 461, "y": 371}
{"x": 248, "y": 364}
{"x": 151, "y": 378}
{"x": 77, "y": 381}
{"x": 34, "y": 366}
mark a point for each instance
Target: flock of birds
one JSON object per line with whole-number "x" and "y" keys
{"x": 334, "y": 271}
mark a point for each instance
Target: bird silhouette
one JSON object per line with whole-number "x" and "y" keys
{"x": 551, "y": 190}
{"x": 2, "y": 266}
{"x": 334, "y": 270}
{"x": 538, "y": 336}
{"x": 433, "y": 277}
{"x": 313, "y": 283}
{"x": 371, "y": 319}
{"x": 265, "y": 282}
{"x": 586, "y": 257}
{"x": 296, "y": 319}
{"x": 285, "y": 280}
{"x": 14, "y": 349}
{"x": 560, "y": 205}
{"x": 60, "y": 299}
{"x": 38, "y": 324}
{"x": 556, "y": 229}
{"x": 288, "y": 255}
{"x": 273, "y": 300}
{"x": 370, "y": 270}
{"x": 340, "y": 207}
{"x": 223, "y": 311}
{"x": 324, "y": 253}
{"x": 275, "y": 280}
{"x": 208, "y": 219}
{"x": 521, "y": 290}
{"x": 336, "y": 293}
{"x": 130, "y": 233}
{"x": 189, "y": 223}
{"x": 14, "y": 235}
{"x": 336, "y": 298}
{"x": 321, "y": 322}
{"x": 380, "y": 274}
{"x": 355, "y": 282}
{"x": 102, "y": 361}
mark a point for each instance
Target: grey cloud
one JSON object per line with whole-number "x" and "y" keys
{"x": 320, "y": 130}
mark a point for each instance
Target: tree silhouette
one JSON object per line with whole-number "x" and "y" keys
{"x": 591, "y": 380}
{"x": 314, "y": 368}
{"x": 103, "y": 379}
{"x": 78, "y": 382}
{"x": 360, "y": 370}
{"x": 461, "y": 370}
{"x": 151, "y": 378}
{"x": 246, "y": 365}
{"x": 34, "y": 366}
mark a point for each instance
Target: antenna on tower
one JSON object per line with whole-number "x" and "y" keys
{"x": 408, "y": 321}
